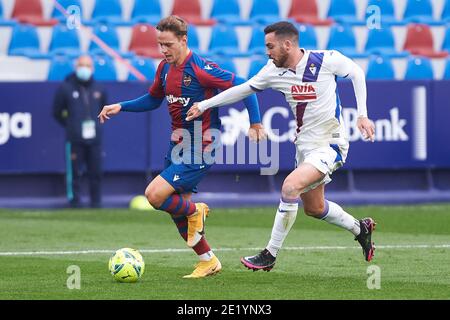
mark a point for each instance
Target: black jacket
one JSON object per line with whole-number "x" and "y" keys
{"x": 75, "y": 102}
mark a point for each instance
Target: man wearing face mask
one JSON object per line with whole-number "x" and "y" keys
{"x": 76, "y": 105}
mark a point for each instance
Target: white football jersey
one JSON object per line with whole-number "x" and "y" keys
{"x": 311, "y": 91}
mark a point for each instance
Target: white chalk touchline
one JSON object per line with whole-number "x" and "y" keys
{"x": 173, "y": 250}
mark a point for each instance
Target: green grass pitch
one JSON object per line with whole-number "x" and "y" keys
{"x": 320, "y": 261}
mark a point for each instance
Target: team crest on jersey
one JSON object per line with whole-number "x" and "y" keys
{"x": 305, "y": 92}
{"x": 187, "y": 80}
{"x": 312, "y": 68}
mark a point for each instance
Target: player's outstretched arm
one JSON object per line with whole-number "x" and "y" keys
{"x": 228, "y": 96}
{"x": 143, "y": 103}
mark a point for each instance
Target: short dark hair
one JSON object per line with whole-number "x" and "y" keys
{"x": 173, "y": 23}
{"x": 283, "y": 28}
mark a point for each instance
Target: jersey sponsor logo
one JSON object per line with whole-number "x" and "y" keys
{"x": 305, "y": 92}
{"x": 172, "y": 99}
{"x": 16, "y": 125}
{"x": 187, "y": 80}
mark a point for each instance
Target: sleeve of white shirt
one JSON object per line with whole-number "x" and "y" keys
{"x": 237, "y": 93}
{"x": 343, "y": 66}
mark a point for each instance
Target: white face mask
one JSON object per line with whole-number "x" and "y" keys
{"x": 84, "y": 73}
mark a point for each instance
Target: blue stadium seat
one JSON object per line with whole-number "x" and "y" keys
{"x": 445, "y": 16}
{"x": 107, "y": 12}
{"x": 386, "y": 9}
{"x": 146, "y": 11}
{"x": 256, "y": 65}
{"x": 227, "y": 11}
{"x": 419, "y": 68}
{"x": 419, "y": 11}
{"x": 225, "y": 64}
{"x": 380, "y": 68}
{"x": 57, "y": 14}
{"x": 344, "y": 11}
{"x": 265, "y": 12}
{"x": 24, "y": 41}
{"x": 64, "y": 41}
{"x": 307, "y": 36}
{"x": 60, "y": 67}
{"x": 224, "y": 41}
{"x": 104, "y": 69}
{"x": 193, "y": 41}
{"x": 342, "y": 38}
{"x": 257, "y": 45}
{"x": 446, "y": 43}
{"x": 145, "y": 66}
{"x": 381, "y": 41}
{"x": 447, "y": 70}
{"x": 108, "y": 34}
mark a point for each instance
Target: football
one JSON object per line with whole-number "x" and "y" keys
{"x": 126, "y": 265}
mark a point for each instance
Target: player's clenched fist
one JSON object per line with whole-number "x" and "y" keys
{"x": 108, "y": 111}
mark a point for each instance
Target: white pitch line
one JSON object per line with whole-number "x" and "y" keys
{"x": 313, "y": 248}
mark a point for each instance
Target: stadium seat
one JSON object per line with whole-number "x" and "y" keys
{"x": 419, "y": 41}
{"x": 307, "y": 36}
{"x": 64, "y": 41}
{"x": 60, "y": 67}
{"x": 380, "y": 68}
{"x": 342, "y": 38}
{"x": 256, "y": 65}
{"x": 144, "y": 42}
{"x": 265, "y": 12}
{"x": 107, "y": 12}
{"x": 24, "y": 41}
{"x": 386, "y": 9}
{"x": 344, "y": 11}
{"x": 447, "y": 70}
{"x": 145, "y": 66}
{"x": 108, "y": 34}
{"x": 306, "y": 12}
{"x": 418, "y": 68}
{"x": 419, "y": 11}
{"x": 257, "y": 45}
{"x": 224, "y": 41}
{"x": 191, "y": 12}
{"x": 146, "y": 11}
{"x": 57, "y": 14}
{"x": 381, "y": 41}
{"x": 193, "y": 41}
{"x": 31, "y": 11}
{"x": 227, "y": 11}
{"x": 104, "y": 68}
{"x": 225, "y": 64}
{"x": 445, "y": 16}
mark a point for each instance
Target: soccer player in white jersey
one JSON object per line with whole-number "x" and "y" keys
{"x": 308, "y": 81}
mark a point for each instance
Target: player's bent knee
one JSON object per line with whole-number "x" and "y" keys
{"x": 153, "y": 197}
{"x": 290, "y": 190}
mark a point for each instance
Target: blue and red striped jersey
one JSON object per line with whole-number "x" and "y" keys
{"x": 196, "y": 79}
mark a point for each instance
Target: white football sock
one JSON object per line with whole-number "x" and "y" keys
{"x": 284, "y": 219}
{"x": 206, "y": 256}
{"x": 337, "y": 216}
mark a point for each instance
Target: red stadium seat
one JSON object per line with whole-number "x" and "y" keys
{"x": 143, "y": 41}
{"x": 191, "y": 12}
{"x": 419, "y": 41}
{"x": 305, "y": 11}
{"x": 30, "y": 11}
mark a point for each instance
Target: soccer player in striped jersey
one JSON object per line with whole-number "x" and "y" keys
{"x": 308, "y": 81}
{"x": 183, "y": 78}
